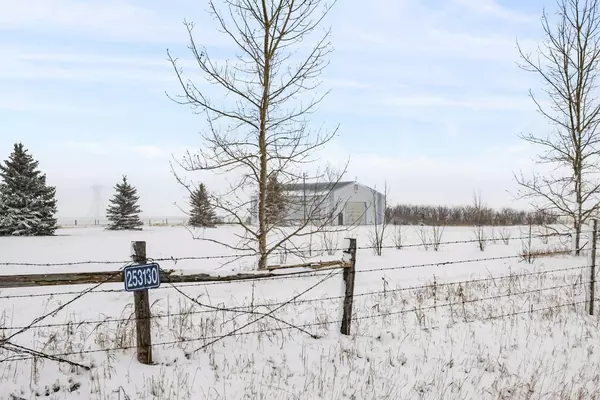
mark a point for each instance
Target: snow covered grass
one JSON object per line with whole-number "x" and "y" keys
{"x": 414, "y": 336}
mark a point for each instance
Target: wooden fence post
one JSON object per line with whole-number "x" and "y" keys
{"x": 142, "y": 310}
{"x": 349, "y": 284}
{"x": 592, "y": 286}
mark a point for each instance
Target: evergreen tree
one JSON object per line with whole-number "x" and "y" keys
{"x": 124, "y": 212}
{"x": 275, "y": 202}
{"x": 202, "y": 213}
{"x": 27, "y": 204}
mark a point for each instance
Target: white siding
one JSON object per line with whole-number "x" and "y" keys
{"x": 315, "y": 207}
{"x": 352, "y": 193}
{"x": 359, "y": 193}
{"x": 295, "y": 209}
{"x": 355, "y": 213}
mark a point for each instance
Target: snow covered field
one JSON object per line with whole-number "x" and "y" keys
{"x": 414, "y": 335}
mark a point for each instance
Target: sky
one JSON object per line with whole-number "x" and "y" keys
{"x": 427, "y": 94}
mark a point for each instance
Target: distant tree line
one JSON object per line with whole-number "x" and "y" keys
{"x": 467, "y": 215}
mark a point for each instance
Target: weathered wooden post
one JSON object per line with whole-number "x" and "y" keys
{"x": 592, "y": 283}
{"x": 349, "y": 273}
{"x": 142, "y": 310}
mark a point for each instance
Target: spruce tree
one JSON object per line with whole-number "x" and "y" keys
{"x": 202, "y": 213}
{"x": 27, "y": 204}
{"x": 276, "y": 202}
{"x": 124, "y": 212}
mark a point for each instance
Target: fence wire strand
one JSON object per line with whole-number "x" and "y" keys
{"x": 295, "y": 275}
{"x": 237, "y": 308}
{"x": 316, "y": 324}
{"x": 253, "y": 254}
{"x": 273, "y": 307}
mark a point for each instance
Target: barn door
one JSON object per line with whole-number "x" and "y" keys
{"x": 356, "y": 213}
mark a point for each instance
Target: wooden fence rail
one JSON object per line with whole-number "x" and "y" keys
{"x": 173, "y": 276}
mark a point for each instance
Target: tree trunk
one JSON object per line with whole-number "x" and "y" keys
{"x": 262, "y": 144}
{"x": 577, "y": 228}
{"x": 579, "y": 195}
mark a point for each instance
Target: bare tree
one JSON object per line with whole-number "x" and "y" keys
{"x": 567, "y": 63}
{"x": 479, "y": 229}
{"x": 399, "y": 236}
{"x": 432, "y": 237}
{"x": 260, "y": 128}
{"x": 377, "y": 234}
{"x": 437, "y": 232}
{"x": 527, "y": 244}
{"x": 505, "y": 235}
{"x": 424, "y": 237}
{"x": 329, "y": 242}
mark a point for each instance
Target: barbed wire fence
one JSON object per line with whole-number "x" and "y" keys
{"x": 257, "y": 312}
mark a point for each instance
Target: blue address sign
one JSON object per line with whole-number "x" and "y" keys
{"x": 141, "y": 277}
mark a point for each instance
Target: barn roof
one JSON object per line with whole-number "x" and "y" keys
{"x": 316, "y": 186}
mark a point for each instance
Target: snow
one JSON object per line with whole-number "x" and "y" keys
{"x": 433, "y": 342}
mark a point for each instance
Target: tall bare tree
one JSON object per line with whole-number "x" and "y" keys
{"x": 479, "y": 210}
{"x": 380, "y": 220}
{"x": 260, "y": 128}
{"x": 567, "y": 63}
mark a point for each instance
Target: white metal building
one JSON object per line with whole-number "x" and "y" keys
{"x": 343, "y": 203}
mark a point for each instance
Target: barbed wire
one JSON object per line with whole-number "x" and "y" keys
{"x": 197, "y": 258}
{"x": 467, "y": 301}
{"x": 59, "y": 264}
{"x": 292, "y": 275}
{"x": 326, "y": 323}
{"x": 243, "y": 309}
{"x": 319, "y": 272}
{"x": 298, "y": 275}
{"x": 440, "y": 243}
{"x": 35, "y": 321}
{"x": 109, "y": 262}
{"x": 253, "y": 254}
{"x": 421, "y": 244}
{"x": 214, "y": 339}
{"x": 313, "y": 273}
{"x": 35, "y": 353}
{"x": 425, "y": 286}
{"x": 5, "y": 342}
{"x": 52, "y": 294}
{"x": 444, "y": 263}
{"x": 270, "y": 313}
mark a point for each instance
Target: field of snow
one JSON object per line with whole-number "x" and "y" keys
{"x": 522, "y": 335}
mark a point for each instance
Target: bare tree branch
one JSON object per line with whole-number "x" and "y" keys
{"x": 260, "y": 131}
{"x": 568, "y": 65}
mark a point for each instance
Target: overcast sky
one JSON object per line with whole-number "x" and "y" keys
{"x": 427, "y": 94}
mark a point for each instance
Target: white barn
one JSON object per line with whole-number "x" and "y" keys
{"x": 343, "y": 203}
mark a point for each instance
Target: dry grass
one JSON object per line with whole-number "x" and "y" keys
{"x": 557, "y": 250}
{"x": 494, "y": 339}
